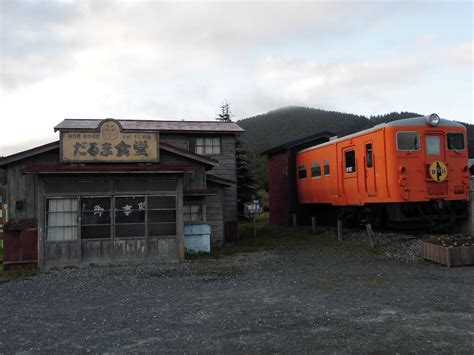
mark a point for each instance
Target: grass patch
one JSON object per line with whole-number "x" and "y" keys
{"x": 6, "y": 276}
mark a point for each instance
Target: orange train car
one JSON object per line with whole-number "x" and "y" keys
{"x": 409, "y": 170}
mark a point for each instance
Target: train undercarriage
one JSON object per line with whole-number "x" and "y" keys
{"x": 435, "y": 215}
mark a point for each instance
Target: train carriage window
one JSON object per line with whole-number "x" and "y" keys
{"x": 409, "y": 141}
{"x": 315, "y": 170}
{"x": 302, "y": 172}
{"x": 326, "y": 168}
{"x": 350, "y": 161}
{"x": 455, "y": 141}
{"x": 368, "y": 152}
{"x": 433, "y": 145}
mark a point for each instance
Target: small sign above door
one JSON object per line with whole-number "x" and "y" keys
{"x": 109, "y": 143}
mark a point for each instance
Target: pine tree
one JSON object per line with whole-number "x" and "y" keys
{"x": 225, "y": 114}
{"x": 245, "y": 178}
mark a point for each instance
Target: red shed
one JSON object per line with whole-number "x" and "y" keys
{"x": 283, "y": 197}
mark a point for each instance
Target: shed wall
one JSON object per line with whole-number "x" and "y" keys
{"x": 279, "y": 188}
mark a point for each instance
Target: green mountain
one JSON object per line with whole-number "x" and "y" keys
{"x": 280, "y": 126}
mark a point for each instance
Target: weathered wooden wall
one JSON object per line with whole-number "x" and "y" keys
{"x": 214, "y": 214}
{"x": 23, "y": 187}
{"x": 227, "y": 170}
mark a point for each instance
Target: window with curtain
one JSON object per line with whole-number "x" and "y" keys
{"x": 208, "y": 146}
{"x": 62, "y": 216}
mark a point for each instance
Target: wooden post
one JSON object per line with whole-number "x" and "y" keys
{"x": 254, "y": 226}
{"x": 370, "y": 234}
{"x": 339, "y": 230}
{"x": 294, "y": 220}
{"x": 313, "y": 224}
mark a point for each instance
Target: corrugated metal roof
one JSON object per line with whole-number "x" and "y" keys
{"x": 142, "y": 125}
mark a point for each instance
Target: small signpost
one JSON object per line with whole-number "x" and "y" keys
{"x": 252, "y": 208}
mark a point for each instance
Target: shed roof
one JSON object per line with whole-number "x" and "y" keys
{"x": 303, "y": 142}
{"x": 146, "y": 125}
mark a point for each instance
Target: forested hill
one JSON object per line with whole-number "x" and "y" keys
{"x": 286, "y": 124}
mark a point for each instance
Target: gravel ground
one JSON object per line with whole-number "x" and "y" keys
{"x": 303, "y": 299}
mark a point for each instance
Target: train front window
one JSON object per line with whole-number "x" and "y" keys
{"x": 455, "y": 141}
{"x": 408, "y": 141}
{"x": 433, "y": 145}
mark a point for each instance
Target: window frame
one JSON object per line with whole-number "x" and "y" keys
{"x": 430, "y": 137}
{"x": 371, "y": 155}
{"x": 463, "y": 142}
{"x": 316, "y": 165}
{"x": 345, "y": 161}
{"x": 302, "y": 168}
{"x": 201, "y": 212}
{"x": 72, "y": 226}
{"x": 326, "y": 164}
{"x": 205, "y": 146}
{"x": 112, "y": 217}
{"x": 408, "y": 150}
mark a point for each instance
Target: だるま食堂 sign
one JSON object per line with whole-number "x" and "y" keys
{"x": 109, "y": 143}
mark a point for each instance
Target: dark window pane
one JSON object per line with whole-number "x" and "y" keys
{"x": 162, "y": 216}
{"x": 156, "y": 230}
{"x": 455, "y": 141}
{"x": 315, "y": 170}
{"x": 130, "y": 203}
{"x": 350, "y": 161}
{"x": 326, "y": 168}
{"x": 408, "y": 141}
{"x": 161, "y": 202}
{"x": 129, "y": 216}
{"x": 161, "y": 185}
{"x": 368, "y": 149}
{"x": 130, "y": 230}
{"x": 90, "y": 232}
{"x": 130, "y": 185}
{"x": 60, "y": 186}
{"x": 302, "y": 174}
{"x": 95, "y": 186}
{"x": 96, "y": 204}
{"x": 95, "y": 218}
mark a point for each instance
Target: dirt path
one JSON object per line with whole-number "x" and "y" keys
{"x": 295, "y": 300}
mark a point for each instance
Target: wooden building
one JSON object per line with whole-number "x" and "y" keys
{"x": 283, "y": 197}
{"x": 122, "y": 190}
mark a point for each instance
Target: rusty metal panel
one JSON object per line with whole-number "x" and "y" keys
{"x": 20, "y": 244}
{"x": 278, "y": 184}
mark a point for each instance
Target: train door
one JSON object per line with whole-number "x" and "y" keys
{"x": 350, "y": 183}
{"x": 369, "y": 170}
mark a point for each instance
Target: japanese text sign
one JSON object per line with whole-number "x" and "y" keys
{"x": 109, "y": 143}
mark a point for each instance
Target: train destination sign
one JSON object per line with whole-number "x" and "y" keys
{"x": 109, "y": 143}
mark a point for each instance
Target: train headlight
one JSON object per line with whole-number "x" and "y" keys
{"x": 432, "y": 120}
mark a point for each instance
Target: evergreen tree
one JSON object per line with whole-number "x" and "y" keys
{"x": 245, "y": 175}
{"x": 225, "y": 112}
{"x": 245, "y": 178}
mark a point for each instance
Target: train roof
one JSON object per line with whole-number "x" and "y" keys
{"x": 406, "y": 122}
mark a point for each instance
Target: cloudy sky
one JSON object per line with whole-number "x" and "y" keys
{"x": 180, "y": 60}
